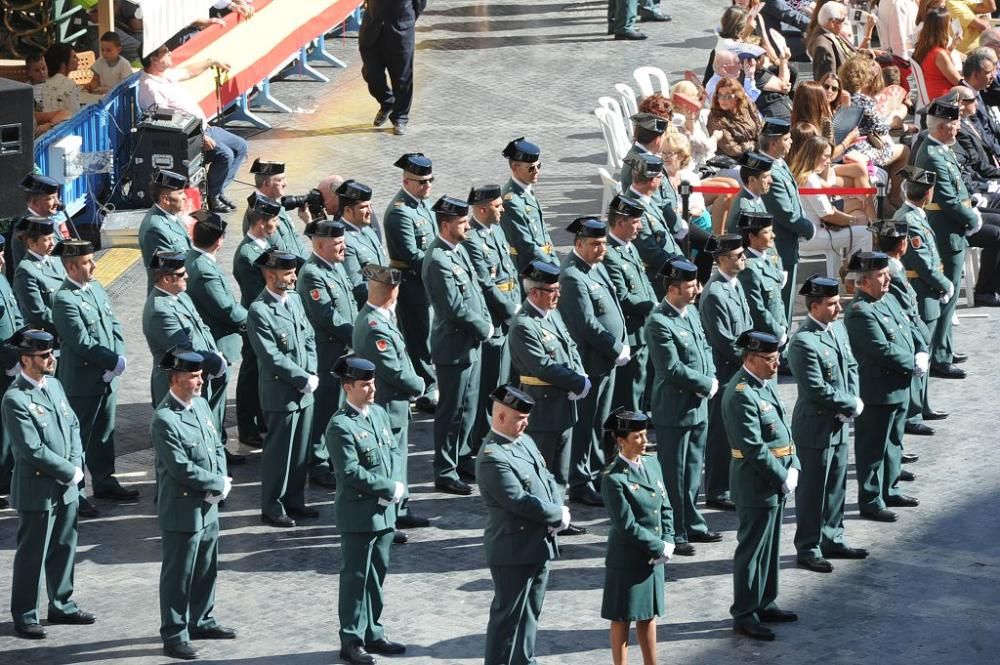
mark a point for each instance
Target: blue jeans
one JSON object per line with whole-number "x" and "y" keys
{"x": 224, "y": 160}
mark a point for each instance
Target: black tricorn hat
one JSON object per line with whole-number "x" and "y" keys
{"x": 415, "y": 163}
{"x": 169, "y": 179}
{"x": 513, "y": 397}
{"x": 260, "y": 167}
{"x": 167, "y": 261}
{"x": 449, "y": 206}
{"x": 34, "y": 225}
{"x": 889, "y": 228}
{"x": 209, "y": 220}
{"x": 484, "y": 194}
{"x": 276, "y": 259}
{"x": 867, "y": 261}
{"x": 354, "y": 368}
{"x": 354, "y": 190}
{"x": 918, "y": 176}
{"x": 541, "y": 271}
{"x": 27, "y": 340}
{"x": 818, "y": 286}
{"x": 624, "y": 205}
{"x": 650, "y": 122}
{"x": 384, "y": 274}
{"x": 264, "y": 205}
{"x": 520, "y": 150}
{"x": 760, "y": 342}
{"x": 70, "y": 248}
{"x": 324, "y": 228}
{"x": 727, "y": 242}
{"x": 645, "y": 163}
{"x": 588, "y": 227}
{"x": 753, "y": 221}
{"x": 181, "y": 359}
{"x": 36, "y": 183}
{"x": 621, "y": 420}
{"x": 678, "y": 269}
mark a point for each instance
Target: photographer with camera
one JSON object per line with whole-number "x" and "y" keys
{"x": 269, "y": 178}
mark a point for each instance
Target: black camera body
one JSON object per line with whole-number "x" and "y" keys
{"x": 313, "y": 200}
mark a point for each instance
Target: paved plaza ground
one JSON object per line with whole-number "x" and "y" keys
{"x": 486, "y": 73}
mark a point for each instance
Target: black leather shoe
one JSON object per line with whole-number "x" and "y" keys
{"x": 252, "y": 440}
{"x": 225, "y": 199}
{"x": 217, "y": 206}
{"x": 986, "y": 300}
{"x": 573, "y": 530}
{"x": 327, "y": 479}
{"x": 909, "y": 458}
{"x": 385, "y": 647}
{"x": 411, "y": 521}
{"x": 356, "y": 655}
{"x": 400, "y": 538}
{"x": 654, "y": 17}
{"x": 902, "y": 501}
{"x": 918, "y": 429}
{"x": 846, "y": 552}
{"x": 882, "y": 515}
{"x": 684, "y": 549}
{"x": 950, "y": 371}
{"x": 399, "y": 128}
{"x": 381, "y": 117}
{"x": 232, "y": 459}
{"x": 425, "y": 404}
{"x": 707, "y": 537}
{"x": 30, "y": 631}
{"x": 78, "y": 618}
{"x": 283, "y": 521}
{"x": 453, "y": 486}
{"x": 305, "y": 512}
{"x": 957, "y": 357}
{"x": 216, "y": 633}
{"x": 631, "y": 36}
{"x": 181, "y": 650}
{"x": 721, "y": 504}
{"x": 754, "y": 631}
{"x": 815, "y": 564}
{"x": 117, "y": 494}
{"x": 86, "y": 508}
{"x": 779, "y": 616}
{"x": 907, "y": 476}
{"x": 4, "y": 503}
{"x": 935, "y": 415}
{"x": 467, "y": 476}
{"x": 588, "y": 497}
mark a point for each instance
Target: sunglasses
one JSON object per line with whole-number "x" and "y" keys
{"x": 424, "y": 181}
{"x": 44, "y": 354}
{"x": 726, "y": 96}
{"x": 554, "y": 289}
{"x": 831, "y": 88}
{"x": 534, "y": 168}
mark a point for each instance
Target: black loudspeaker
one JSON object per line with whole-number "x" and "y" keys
{"x": 17, "y": 144}
{"x": 168, "y": 140}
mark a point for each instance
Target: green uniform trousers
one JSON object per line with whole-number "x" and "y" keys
{"x": 327, "y": 403}
{"x": 402, "y": 436}
{"x": 941, "y": 341}
{"x": 415, "y": 325}
{"x": 359, "y": 603}
{"x": 217, "y": 389}
{"x": 249, "y": 416}
{"x": 681, "y": 452}
{"x": 819, "y": 500}
{"x": 878, "y": 437}
{"x": 518, "y": 593}
{"x": 187, "y": 582}
{"x": 458, "y": 395}
{"x": 44, "y": 538}
{"x": 755, "y": 562}
{"x": 918, "y": 399}
{"x": 587, "y": 454}
{"x": 788, "y": 292}
{"x": 97, "y": 436}
{"x": 622, "y": 15}
{"x": 283, "y": 462}
{"x": 555, "y": 448}
{"x": 630, "y": 381}
{"x": 717, "y": 448}
{"x": 495, "y": 372}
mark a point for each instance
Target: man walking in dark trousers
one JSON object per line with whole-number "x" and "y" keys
{"x": 386, "y": 42}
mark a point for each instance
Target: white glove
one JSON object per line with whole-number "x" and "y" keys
{"x": 682, "y": 229}
{"x": 212, "y": 498}
{"x": 583, "y": 393}
{"x": 791, "y": 481}
{"x": 783, "y": 340}
{"x": 227, "y": 486}
{"x": 844, "y": 419}
{"x": 714, "y": 389}
{"x": 624, "y": 356}
{"x": 921, "y": 362}
{"x": 563, "y": 522}
{"x": 993, "y": 187}
{"x": 108, "y": 376}
{"x": 490, "y": 333}
{"x": 311, "y": 384}
{"x": 859, "y": 406}
{"x": 517, "y": 309}
{"x": 397, "y": 494}
{"x": 222, "y": 368}
{"x": 784, "y": 278}
{"x": 668, "y": 552}
{"x": 14, "y": 371}
{"x": 978, "y": 225}
{"x": 77, "y": 477}
{"x": 120, "y": 367}
{"x": 977, "y": 200}
{"x": 948, "y": 294}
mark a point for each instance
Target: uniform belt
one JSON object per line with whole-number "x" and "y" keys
{"x": 534, "y": 381}
{"x": 507, "y": 286}
{"x": 912, "y": 274}
{"x": 400, "y": 265}
{"x": 936, "y": 206}
{"x": 777, "y": 452}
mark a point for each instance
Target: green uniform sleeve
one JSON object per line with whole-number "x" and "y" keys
{"x": 497, "y": 478}
{"x": 718, "y": 325}
{"x": 272, "y": 360}
{"x": 22, "y": 435}
{"x": 863, "y": 329}
{"x": 321, "y": 312}
{"x": 742, "y": 422}
{"x": 753, "y": 289}
{"x": 577, "y": 311}
{"x": 675, "y": 372}
{"x": 73, "y": 333}
{"x": 623, "y": 520}
{"x": 400, "y": 236}
{"x": 389, "y": 367}
{"x": 449, "y": 303}
{"x": 343, "y": 450}
{"x": 169, "y": 447}
{"x": 529, "y": 354}
{"x": 805, "y": 363}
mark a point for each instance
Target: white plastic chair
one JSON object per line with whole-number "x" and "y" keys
{"x": 609, "y": 186}
{"x": 971, "y": 275}
{"x": 628, "y": 100}
{"x": 610, "y": 103}
{"x": 615, "y": 138}
{"x": 644, "y": 77}
{"x": 923, "y": 99}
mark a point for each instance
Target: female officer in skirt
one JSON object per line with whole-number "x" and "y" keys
{"x": 641, "y": 538}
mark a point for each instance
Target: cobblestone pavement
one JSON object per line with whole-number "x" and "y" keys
{"x": 487, "y": 73}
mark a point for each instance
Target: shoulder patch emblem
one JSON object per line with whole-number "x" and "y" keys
{"x": 916, "y": 242}
{"x": 314, "y": 294}
{"x": 382, "y": 345}
{"x": 508, "y": 196}
{"x": 397, "y": 204}
{"x": 740, "y": 387}
{"x": 372, "y": 322}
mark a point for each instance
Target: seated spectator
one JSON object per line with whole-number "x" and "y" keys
{"x": 224, "y": 7}
{"x": 729, "y": 65}
{"x": 978, "y": 73}
{"x": 836, "y": 232}
{"x": 966, "y": 13}
{"x": 59, "y": 92}
{"x": 734, "y": 27}
{"x": 689, "y": 101}
{"x": 980, "y": 168}
{"x": 734, "y": 115}
{"x": 835, "y": 94}
{"x": 224, "y": 151}
{"x": 991, "y": 40}
{"x": 111, "y": 68}
{"x": 826, "y": 45}
{"x": 811, "y": 107}
{"x": 933, "y": 53}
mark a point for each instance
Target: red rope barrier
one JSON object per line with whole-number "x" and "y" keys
{"x": 830, "y": 191}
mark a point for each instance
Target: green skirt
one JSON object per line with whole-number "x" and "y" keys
{"x": 632, "y": 594}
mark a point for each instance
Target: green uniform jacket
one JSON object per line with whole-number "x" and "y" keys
{"x": 755, "y": 422}
{"x": 524, "y": 226}
{"x": 881, "y": 340}
{"x": 906, "y": 300}
{"x": 376, "y": 338}
{"x": 542, "y": 348}
{"x": 35, "y": 284}
{"x": 592, "y": 313}
{"x": 216, "y": 303}
{"x": 489, "y": 254}
{"x": 745, "y": 202}
{"x": 923, "y": 263}
{"x": 641, "y": 518}
{"x": 665, "y": 198}
{"x": 43, "y": 434}
{"x": 17, "y": 247}
{"x": 725, "y": 315}
{"x": 633, "y": 289}
{"x": 409, "y": 228}
{"x": 461, "y": 318}
{"x": 90, "y": 336}
{"x": 363, "y": 452}
{"x": 169, "y": 321}
{"x": 522, "y": 501}
{"x": 161, "y": 232}
{"x": 682, "y": 365}
{"x": 953, "y": 215}
{"x": 190, "y": 464}
{"x": 248, "y": 276}
{"x": 10, "y": 322}
{"x": 285, "y": 346}
{"x": 826, "y": 374}
{"x": 363, "y": 247}
{"x": 762, "y": 280}
{"x": 284, "y": 238}
{"x": 655, "y": 242}
{"x": 326, "y": 294}
{"x": 785, "y": 207}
